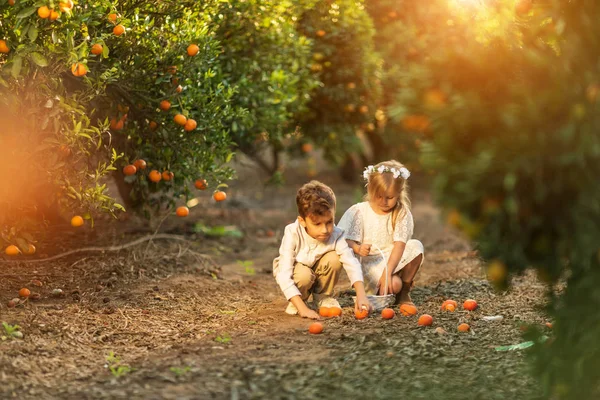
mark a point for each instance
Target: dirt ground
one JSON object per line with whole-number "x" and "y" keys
{"x": 192, "y": 316}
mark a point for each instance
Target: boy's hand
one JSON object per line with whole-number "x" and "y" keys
{"x": 364, "y": 250}
{"x": 361, "y": 297}
{"x": 308, "y": 313}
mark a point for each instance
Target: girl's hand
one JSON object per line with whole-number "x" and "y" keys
{"x": 381, "y": 284}
{"x": 364, "y": 250}
{"x": 308, "y": 313}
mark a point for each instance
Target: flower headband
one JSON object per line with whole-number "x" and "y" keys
{"x": 402, "y": 172}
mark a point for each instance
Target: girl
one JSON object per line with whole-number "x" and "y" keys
{"x": 385, "y": 220}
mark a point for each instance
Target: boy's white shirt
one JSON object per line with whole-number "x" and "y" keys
{"x": 298, "y": 246}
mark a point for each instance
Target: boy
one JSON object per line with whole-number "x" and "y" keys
{"x": 312, "y": 254}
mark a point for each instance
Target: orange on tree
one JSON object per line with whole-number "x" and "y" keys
{"x": 387, "y": 313}
{"x": 12, "y": 250}
{"x": 53, "y": 15}
{"x": 129, "y": 170}
{"x": 201, "y": 184}
{"x": 172, "y": 69}
{"x": 307, "y": 147}
{"x": 190, "y": 125}
{"x": 113, "y": 18}
{"x": 154, "y": 176}
{"x": 315, "y": 328}
{"x": 321, "y": 33}
{"x": 11, "y": 2}
{"x": 407, "y": 310}
{"x": 78, "y": 69}
{"x": 140, "y": 164}
{"x": 76, "y": 221}
{"x": 363, "y": 109}
{"x": 24, "y": 292}
{"x": 65, "y": 6}
{"x": 219, "y": 195}
{"x": 97, "y": 49}
{"x": 165, "y": 105}
{"x": 179, "y": 89}
{"x": 425, "y": 320}
{"x": 182, "y": 211}
{"x": 152, "y": 125}
{"x": 117, "y": 125}
{"x": 167, "y": 175}
{"x": 192, "y": 50}
{"x": 523, "y": 7}
{"x": 361, "y": 314}
{"x": 470, "y": 305}
{"x": 119, "y": 30}
{"x": 4, "y": 47}
{"x": 43, "y": 12}
{"x": 464, "y": 328}
{"x": 180, "y": 119}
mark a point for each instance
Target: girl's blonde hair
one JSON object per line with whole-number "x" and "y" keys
{"x": 382, "y": 182}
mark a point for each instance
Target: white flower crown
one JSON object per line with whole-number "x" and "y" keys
{"x": 402, "y": 172}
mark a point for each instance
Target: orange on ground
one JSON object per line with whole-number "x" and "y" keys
{"x": 446, "y": 302}
{"x": 97, "y": 49}
{"x": 53, "y": 15}
{"x": 30, "y": 249}
{"x": 219, "y": 195}
{"x": 470, "y": 305}
{"x": 190, "y": 125}
{"x": 387, "y": 313}
{"x": 12, "y": 250}
{"x": 361, "y": 314}
{"x": 43, "y": 12}
{"x": 153, "y": 125}
{"x": 76, "y": 221}
{"x": 154, "y": 176}
{"x": 334, "y": 311}
{"x": 324, "y": 311}
{"x": 4, "y": 47}
{"x": 78, "y": 69}
{"x": 113, "y": 18}
{"x": 119, "y": 30}
{"x": 201, "y": 184}
{"x": 129, "y": 170}
{"x": 180, "y": 119}
{"x": 140, "y": 164}
{"x": 464, "y": 328}
{"x": 315, "y": 328}
{"x": 425, "y": 320}
{"x": 408, "y": 310}
{"x": 192, "y": 50}
{"x": 449, "y": 307}
{"x": 165, "y": 105}
{"x": 182, "y": 211}
{"x": 24, "y": 292}
{"x": 167, "y": 175}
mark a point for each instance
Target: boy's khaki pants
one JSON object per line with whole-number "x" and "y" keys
{"x": 321, "y": 278}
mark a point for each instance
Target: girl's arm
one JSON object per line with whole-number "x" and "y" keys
{"x": 360, "y": 249}
{"x": 393, "y": 261}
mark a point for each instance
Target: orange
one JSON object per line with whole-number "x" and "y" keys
{"x": 435, "y": 99}
{"x": 425, "y": 320}
{"x": 24, "y": 292}
{"x": 549, "y": 325}
{"x": 190, "y": 125}
{"x": 351, "y": 85}
{"x": 361, "y": 314}
{"x": 219, "y": 195}
{"x": 65, "y": 5}
{"x": 78, "y": 69}
{"x": 416, "y": 123}
{"x": 12, "y": 250}
{"x": 523, "y": 7}
{"x": 448, "y": 302}
{"x": 116, "y": 125}
{"x": 76, "y": 221}
{"x": 408, "y": 310}
{"x": 165, "y": 105}
{"x": 387, "y": 313}
{"x": 175, "y": 81}
{"x": 97, "y": 49}
{"x": 119, "y": 30}
{"x": 179, "y": 89}
{"x": 3, "y": 47}
{"x": 153, "y": 125}
{"x": 363, "y": 109}
{"x": 140, "y": 164}
{"x": 30, "y": 249}
{"x": 450, "y": 307}
{"x": 192, "y": 50}
{"x": 11, "y": 2}
{"x": 53, "y": 15}
{"x": 324, "y": 312}
{"x": 201, "y": 184}
{"x": 470, "y": 305}
{"x": 464, "y": 328}
{"x": 315, "y": 328}
{"x": 307, "y": 147}
{"x": 154, "y": 176}
{"x": 167, "y": 175}
{"x": 129, "y": 170}
{"x": 182, "y": 211}
{"x": 113, "y": 18}
{"x": 180, "y": 119}
{"x": 333, "y": 311}
{"x": 321, "y": 33}
{"x": 43, "y": 12}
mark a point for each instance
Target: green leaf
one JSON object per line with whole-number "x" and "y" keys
{"x": 33, "y": 33}
{"x": 39, "y": 59}
{"x": 26, "y": 12}
{"x": 16, "y": 68}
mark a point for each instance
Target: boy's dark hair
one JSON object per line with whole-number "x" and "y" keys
{"x": 314, "y": 198}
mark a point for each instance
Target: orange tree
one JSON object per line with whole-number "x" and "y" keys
{"x": 509, "y": 94}
{"x": 84, "y": 92}
{"x": 344, "y": 108}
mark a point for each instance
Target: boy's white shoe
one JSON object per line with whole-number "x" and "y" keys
{"x": 291, "y": 309}
{"x": 322, "y": 300}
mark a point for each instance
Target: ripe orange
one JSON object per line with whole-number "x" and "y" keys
{"x": 549, "y": 325}
{"x": 153, "y": 125}
{"x": 140, "y": 164}
{"x": 447, "y": 303}
{"x": 321, "y": 33}
{"x": 12, "y": 250}
{"x": 24, "y": 292}
{"x": 53, "y": 15}
{"x": 307, "y": 147}
{"x": 11, "y": 2}
{"x": 119, "y": 30}
{"x": 113, "y": 18}
{"x": 192, "y": 50}
{"x": 78, "y": 69}
{"x": 201, "y": 184}
{"x": 335, "y": 312}
{"x": 65, "y": 5}
{"x": 361, "y": 314}
{"x": 76, "y": 221}
{"x": 464, "y": 328}
{"x": 522, "y": 7}
{"x": 470, "y": 305}
{"x": 315, "y": 328}
{"x": 129, "y": 170}
{"x": 167, "y": 175}
{"x": 165, "y": 105}
{"x": 180, "y": 119}
{"x": 324, "y": 312}
{"x": 43, "y": 12}
{"x": 154, "y": 176}
{"x": 450, "y": 307}
{"x": 182, "y": 211}
{"x": 190, "y": 125}
{"x": 219, "y": 195}
{"x": 179, "y": 89}
{"x": 351, "y": 85}
{"x": 4, "y": 47}
{"x": 363, "y": 109}
{"x": 387, "y": 313}
{"x": 117, "y": 125}
{"x": 425, "y": 320}
{"x": 408, "y": 310}
{"x": 30, "y": 249}
{"x": 97, "y": 49}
